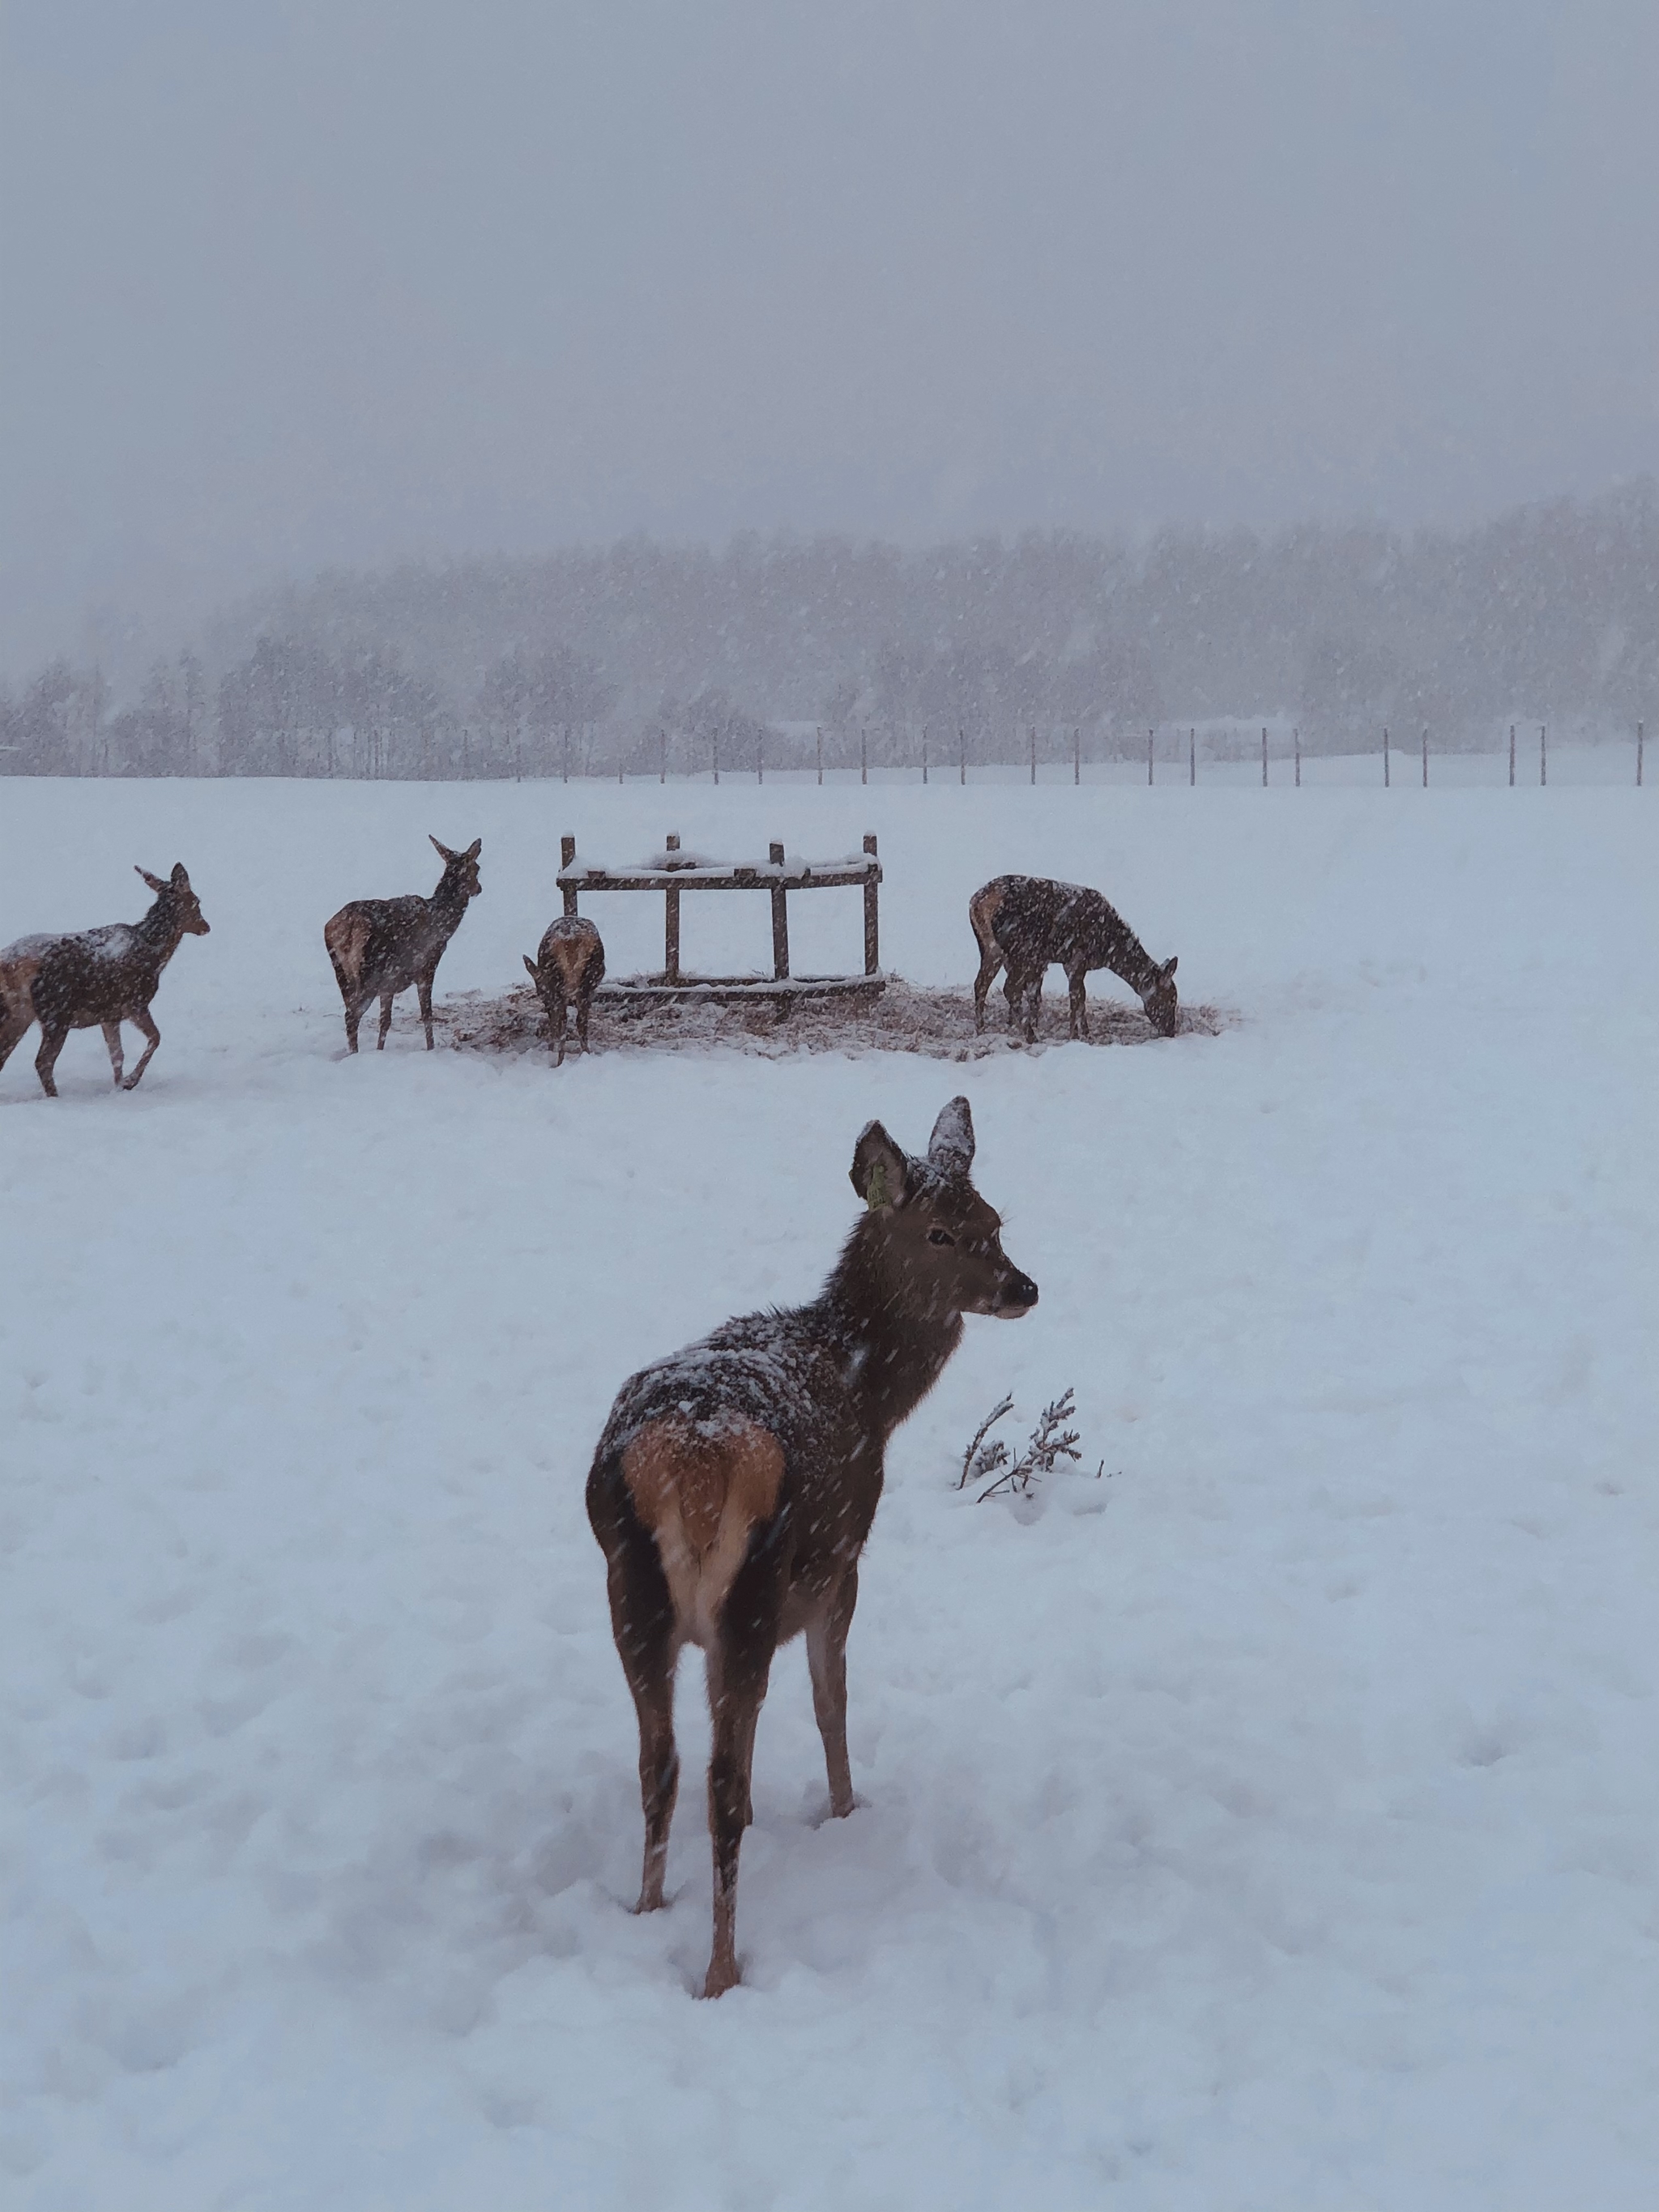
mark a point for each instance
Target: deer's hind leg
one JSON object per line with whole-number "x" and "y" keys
{"x": 386, "y": 1020}
{"x": 144, "y": 1022}
{"x": 990, "y": 967}
{"x": 112, "y": 1043}
{"x": 51, "y": 1043}
{"x": 648, "y": 1643}
{"x": 1077, "y": 981}
{"x": 740, "y": 1666}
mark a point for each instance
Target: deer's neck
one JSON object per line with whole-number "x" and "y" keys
{"x": 1123, "y": 952}
{"x": 894, "y": 1347}
{"x": 156, "y": 936}
{"x": 448, "y": 904}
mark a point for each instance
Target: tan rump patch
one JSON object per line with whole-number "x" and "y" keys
{"x": 983, "y": 908}
{"x": 700, "y": 1496}
{"x": 347, "y": 939}
{"x": 571, "y": 956}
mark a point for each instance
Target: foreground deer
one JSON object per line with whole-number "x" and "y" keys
{"x": 96, "y": 979}
{"x": 567, "y": 969}
{"x": 735, "y": 1483}
{"x": 380, "y": 946}
{"x": 1026, "y": 922}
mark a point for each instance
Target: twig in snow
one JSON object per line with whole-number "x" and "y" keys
{"x": 1050, "y": 1441}
{"x": 977, "y": 1462}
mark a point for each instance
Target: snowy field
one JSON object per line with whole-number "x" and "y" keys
{"x": 1263, "y": 1826}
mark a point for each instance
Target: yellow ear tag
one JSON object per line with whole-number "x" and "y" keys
{"x": 877, "y": 1193}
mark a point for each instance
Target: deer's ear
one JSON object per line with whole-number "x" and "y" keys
{"x": 951, "y": 1147}
{"x": 442, "y": 851}
{"x": 180, "y": 880}
{"x": 535, "y": 972}
{"x": 879, "y": 1172}
{"x": 473, "y": 849}
{"x": 154, "y": 882}
{"x": 1168, "y": 970}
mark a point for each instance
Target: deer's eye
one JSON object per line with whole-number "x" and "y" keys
{"x": 940, "y": 1236}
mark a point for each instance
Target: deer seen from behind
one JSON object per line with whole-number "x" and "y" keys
{"x": 96, "y": 979}
{"x": 735, "y": 1483}
{"x": 567, "y": 969}
{"x": 1025, "y": 923}
{"x": 378, "y": 947}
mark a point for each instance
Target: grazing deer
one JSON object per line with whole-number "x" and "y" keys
{"x": 735, "y": 1483}
{"x": 567, "y": 969}
{"x": 380, "y": 946}
{"x": 1026, "y": 922}
{"x": 96, "y": 979}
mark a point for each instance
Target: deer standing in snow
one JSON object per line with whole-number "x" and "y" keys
{"x": 735, "y": 1483}
{"x": 380, "y": 946}
{"x": 96, "y": 979}
{"x": 567, "y": 969}
{"x": 1025, "y": 922}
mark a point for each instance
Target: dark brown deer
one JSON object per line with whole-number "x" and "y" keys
{"x": 380, "y": 946}
{"x": 1025, "y": 922}
{"x": 567, "y": 969}
{"x": 735, "y": 1483}
{"x": 96, "y": 979}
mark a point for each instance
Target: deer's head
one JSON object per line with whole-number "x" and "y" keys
{"x": 177, "y": 899}
{"x": 940, "y": 1243}
{"x": 460, "y": 869}
{"x": 1160, "y": 999}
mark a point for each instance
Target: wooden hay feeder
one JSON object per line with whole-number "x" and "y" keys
{"x": 677, "y": 876}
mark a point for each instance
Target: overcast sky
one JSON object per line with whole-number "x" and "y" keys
{"x": 287, "y": 284}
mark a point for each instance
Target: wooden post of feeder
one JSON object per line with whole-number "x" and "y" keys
{"x": 566, "y": 858}
{"x": 872, "y": 916}
{"x": 671, "y": 919}
{"x": 779, "y": 918}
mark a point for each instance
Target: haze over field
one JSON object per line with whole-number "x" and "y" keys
{"x": 300, "y": 286}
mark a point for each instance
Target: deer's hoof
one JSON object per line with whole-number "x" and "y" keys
{"x": 721, "y": 1976}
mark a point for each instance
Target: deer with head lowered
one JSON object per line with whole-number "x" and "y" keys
{"x": 568, "y": 968}
{"x": 96, "y": 979}
{"x": 1025, "y": 923}
{"x": 735, "y": 1483}
{"x": 380, "y": 946}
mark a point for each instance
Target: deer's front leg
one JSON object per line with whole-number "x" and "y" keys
{"x": 51, "y": 1043}
{"x": 1079, "y": 986}
{"x": 826, "y": 1657}
{"x": 144, "y": 1022}
{"x": 386, "y": 1020}
{"x": 112, "y": 1042}
{"x": 423, "y": 984}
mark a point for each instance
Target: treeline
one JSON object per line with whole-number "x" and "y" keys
{"x": 638, "y": 656}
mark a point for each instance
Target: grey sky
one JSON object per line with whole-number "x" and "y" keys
{"x": 286, "y": 283}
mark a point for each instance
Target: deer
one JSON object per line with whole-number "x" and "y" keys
{"x": 567, "y": 969}
{"x": 735, "y": 1482}
{"x": 1026, "y": 922}
{"x": 96, "y": 979}
{"x": 380, "y": 946}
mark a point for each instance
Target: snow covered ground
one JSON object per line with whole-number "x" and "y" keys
{"x": 1263, "y": 1825}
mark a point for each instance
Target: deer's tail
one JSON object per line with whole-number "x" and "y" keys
{"x": 347, "y": 936}
{"x": 702, "y": 1497}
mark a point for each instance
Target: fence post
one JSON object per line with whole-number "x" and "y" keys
{"x": 1033, "y": 753}
{"x": 1296, "y": 739}
{"x": 820, "y": 758}
{"x": 779, "y": 920}
{"x": 1264, "y": 757}
{"x": 1385, "y": 756}
{"x": 1543, "y": 753}
{"x": 1426, "y": 756}
{"x": 567, "y": 752}
{"x": 924, "y": 752}
{"x": 566, "y": 854}
{"x": 872, "y": 915}
{"x": 864, "y": 753}
{"x": 715, "y": 742}
{"x": 961, "y": 743}
{"x": 1638, "y": 756}
{"x": 1511, "y": 756}
{"x": 759, "y": 776}
{"x": 671, "y": 919}
{"x": 1192, "y": 758}
{"x": 1076, "y": 754}
{"x": 1148, "y": 760}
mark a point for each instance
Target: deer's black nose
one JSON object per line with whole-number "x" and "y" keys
{"x": 1017, "y": 1295}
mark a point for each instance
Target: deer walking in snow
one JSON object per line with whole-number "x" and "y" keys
{"x": 735, "y": 1483}
{"x": 96, "y": 979}
{"x": 380, "y": 946}
{"x": 567, "y": 969}
{"x": 1026, "y": 922}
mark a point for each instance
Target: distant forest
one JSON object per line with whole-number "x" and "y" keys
{"x": 639, "y": 656}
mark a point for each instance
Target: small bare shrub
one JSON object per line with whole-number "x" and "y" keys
{"x": 1050, "y": 1441}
